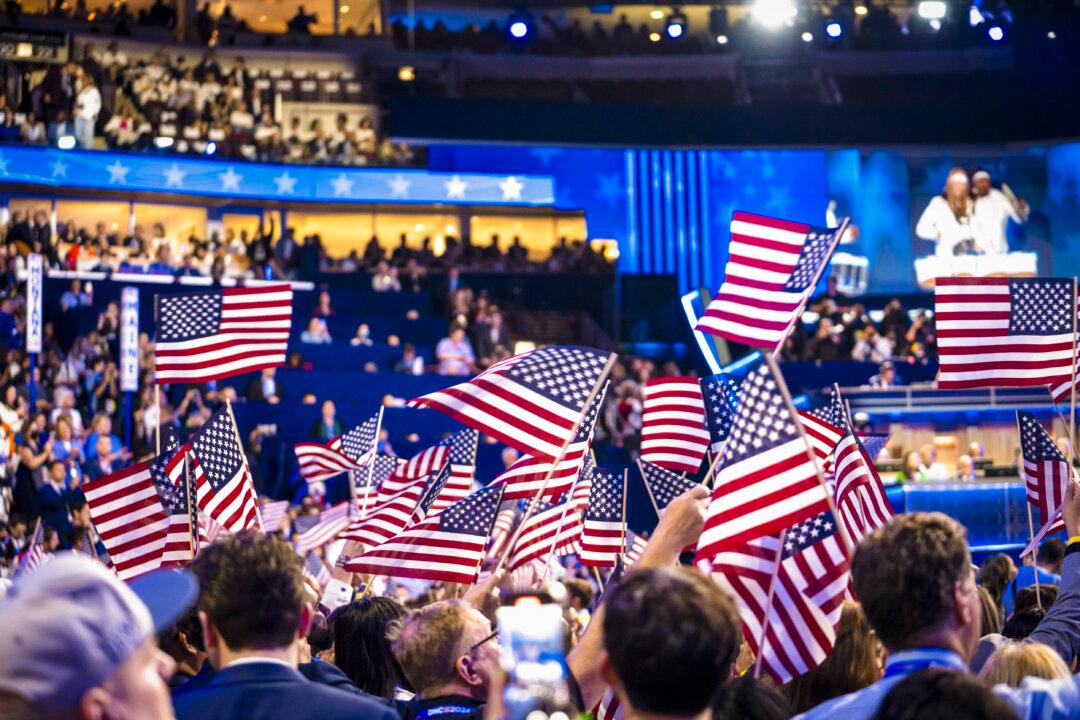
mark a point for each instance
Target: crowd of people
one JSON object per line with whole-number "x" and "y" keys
{"x": 203, "y": 107}
{"x": 242, "y": 632}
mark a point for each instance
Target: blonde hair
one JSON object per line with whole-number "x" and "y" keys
{"x": 428, "y": 642}
{"x": 1010, "y": 664}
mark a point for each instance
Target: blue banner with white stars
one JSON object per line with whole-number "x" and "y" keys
{"x": 101, "y": 170}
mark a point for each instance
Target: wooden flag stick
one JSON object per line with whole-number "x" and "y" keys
{"x": 599, "y": 580}
{"x": 849, "y": 547}
{"x": 558, "y": 530}
{"x": 625, "y": 476}
{"x": 648, "y": 489}
{"x": 762, "y": 640}
{"x": 370, "y": 468}
{"x": 193, "y": 517}
{"x": 600, "y": 383}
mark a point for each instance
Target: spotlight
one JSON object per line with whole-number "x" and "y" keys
{"x": 1051, "y": 35}
{"x": 519, "y": 29}
{"x": 932, "y": 9}
{"x": 657, "y": 14}
{"x": 834, "y": 29}
{"x": 861, "y": 10}
{"x": 773, "y": 13}
{"x": 66, "y": 142}
{"x": 676, "y": 24}
{"x": 163, "y": 142}
{"x": 995, "y": 33}
{"x": 721, "y": 39}
{"x": 406, "y": 73}
{"x": 211, "y": 147}
{"x": 654, "y": 36}
{"x": 935, "y": 24}
{"x": 975, "y": 16}
{"x": 807, "y": 37}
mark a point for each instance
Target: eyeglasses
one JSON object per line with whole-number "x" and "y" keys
{"x": 494, "y": 635}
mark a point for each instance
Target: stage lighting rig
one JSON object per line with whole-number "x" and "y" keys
{"x": 519, "y": 27}
{"x": 932, "y": 9}
{"x": 774, "y": 13}
{"x": 834, "y": 29}
{"x": 676, "y": 24}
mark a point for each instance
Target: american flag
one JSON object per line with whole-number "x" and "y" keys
{"x": 537, "y": 538}
{"x": 388, "y": 518}
{"x": 223, "y": 483}
{"x": 434, "y": 488}
{"x": 213, "y": 334}
{"x": 421, "y": 465}
{"x": 721, "y": 393}
{"x": 1063, "y": 389}
{"x": 273, "y": 513}
{"x": 673, "y": 426}
{"x": 860, "y": 494}
{"x": 772, "y": 268}
{"x": 1046, "y": 470}
{"x": 504, "y": 526}
{"x": 609, "y": 707}
{"x": 322, "y": 461}
{"x": 130, "y": 519}
{"x": 448, "y": 547}
{"x": 167, "y": 473}
{"x": 331, "y": 522}
{"x": 526, "y": 476}
{"x": 1004, "y": 332}
{"x": 461, "y": 459}
{"x": 874, "y": 443}
{"x": 768, "y": 481}
{"x": 367, "y": 493}
{"x": 809, "y": 586}
{"x": 823, "y": 436}
{"x": 663, "y": 485}
{"x": 31, "y": 556}
{"x": 635, "y": 546}
{"x": 315, "y": 569}
{"x": 603, "y": 533}
{"x": 531, "y": 402}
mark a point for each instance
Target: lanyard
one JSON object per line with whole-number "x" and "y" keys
{"x": 910, "y": 661}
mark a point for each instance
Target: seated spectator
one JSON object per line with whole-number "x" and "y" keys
{"x": 10, "y": 131}
{"x": 33, "y": 131}
{"x": 316, "y": 333}
{"x": 965, "y": 469}
{"x": 324, "y": 308}
{"x": 328, "y": 425}
{"x": 385, "y": 278}
{"x": 362, "y": 337}
{"x": 60, "y": 127}
{"x": 886, "y": 377}
{"x": 942, "y": 694}
{"x": 77, "y": 642}
{"x": 362, "y": 646}
{"x": 455, "y": 354}
{"x": 410, "y": 363}
{"x": 254, "y": 612}
{"x": 929, "y": 467}
{"x": 1048, "y": 560}
{"x": 1010, "y": 664}
{"x": 75, "y": 297}
{"x": 264, "y": 388}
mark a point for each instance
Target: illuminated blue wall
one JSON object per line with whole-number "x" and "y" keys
{"x": 669, "y": 209}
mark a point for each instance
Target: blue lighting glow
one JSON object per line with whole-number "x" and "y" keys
{"x": 834, "y": 29}
{"x": 995, "y": 33}
{"x": 674, "y": 30}
{"x": 519, "y": 29}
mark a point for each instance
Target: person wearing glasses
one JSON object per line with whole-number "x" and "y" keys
{"x": 448, "y": 653}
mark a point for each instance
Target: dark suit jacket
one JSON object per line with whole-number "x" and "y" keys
{"x": 92, "y": 470}
{"x": 267, "y": 691}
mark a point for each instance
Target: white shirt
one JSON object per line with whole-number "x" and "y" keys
{"x": 88, "y": 103}
{"x": 938, "y": 224}
{"x": 992, "y": 213}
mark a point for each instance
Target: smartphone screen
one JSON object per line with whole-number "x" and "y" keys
{"x": 532, "y": 636}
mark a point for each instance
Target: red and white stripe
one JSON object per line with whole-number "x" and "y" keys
{"x": 128, "y": 516}
{"x": 322, "y": 461}
{"x": 389, "y": 517}
{"x": 860, "y": 494}
{"x": 236, "y": 507}
{"x": 674, "y": 430}
{"x": 501, "y": 531}
{"x": 332, "y": 522}
{"x": 178, "y": 538}
{"x": 526, "y": 476}
{"x": 253, "y": 334}
{"x": 511, "y": 412}
{"x": 976, "y": 349}
{"x": 537, "y": 540}
{"x": 823, "y": 437}
{"x": 752, "y": 306}
{"x": 273, "y": 513}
